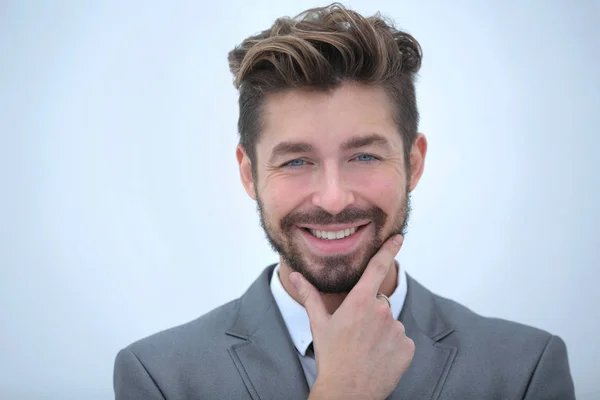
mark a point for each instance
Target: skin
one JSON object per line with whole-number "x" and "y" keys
{"x": 328, "y": 176}
{"x": 361, "y": 350}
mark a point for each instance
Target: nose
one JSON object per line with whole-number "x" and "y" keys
{"x": 333, "y": 193}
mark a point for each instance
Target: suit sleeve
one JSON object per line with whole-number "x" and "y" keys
{"x": 551, "y": 379}
{"x": 131, "y": 380}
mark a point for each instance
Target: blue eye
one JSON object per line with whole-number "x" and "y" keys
{"x": 365, "y": 157}
{"x": 295, "y": 163}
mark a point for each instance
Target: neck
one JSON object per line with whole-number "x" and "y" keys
{"x": 333, "y": 301}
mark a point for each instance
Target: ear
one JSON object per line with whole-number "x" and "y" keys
{"x": 417, "y": 160}
{"x": 245, "y": 171}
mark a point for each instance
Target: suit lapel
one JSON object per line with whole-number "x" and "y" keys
{"x": 431, "y": 363}
{"x": 268, "y": 362}
{"x": 266, "y": 357}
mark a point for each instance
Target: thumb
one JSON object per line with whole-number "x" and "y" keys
{"x": 310, "y": 298}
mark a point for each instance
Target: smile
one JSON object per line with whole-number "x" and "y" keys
{"x": 327, "y": 240}
{"x": 333, "y": 235}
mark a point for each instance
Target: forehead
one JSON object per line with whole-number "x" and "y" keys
{"x": 327, "y": 118}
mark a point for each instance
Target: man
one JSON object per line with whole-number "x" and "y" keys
{"x": 330, "y": 151}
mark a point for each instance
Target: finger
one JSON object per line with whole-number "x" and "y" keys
{"x": 379, "y": 266}
{"x": 383, "y": 298}
{"x": 310, "y": 298}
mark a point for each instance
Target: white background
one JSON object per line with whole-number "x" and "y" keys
{"x": 121, "y": 210}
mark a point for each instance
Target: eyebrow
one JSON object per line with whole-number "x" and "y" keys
{"x": 287, "y": 148}
{"x": 373, "y": 139}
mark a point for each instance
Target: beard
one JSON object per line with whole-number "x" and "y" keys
{"x": 338, "y": 273}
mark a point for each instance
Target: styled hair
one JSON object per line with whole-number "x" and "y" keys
{"x": 318, "y": 50}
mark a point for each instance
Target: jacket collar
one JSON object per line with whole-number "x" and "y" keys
{"x": 268, "y": 361}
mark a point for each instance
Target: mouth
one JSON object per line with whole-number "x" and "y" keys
{"x": 332, "y": 234}
{"x": 334, "y": 239}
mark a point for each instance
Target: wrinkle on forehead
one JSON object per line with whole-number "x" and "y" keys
{"x": 349, "y": 110}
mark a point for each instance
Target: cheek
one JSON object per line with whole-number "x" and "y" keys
{"x": 281, "y": 195}
{"x": 383, "y": 188}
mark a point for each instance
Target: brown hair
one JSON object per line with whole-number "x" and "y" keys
{"x": 318, "y": 49}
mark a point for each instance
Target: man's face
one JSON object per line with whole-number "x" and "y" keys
{"x": 331, "y": 185}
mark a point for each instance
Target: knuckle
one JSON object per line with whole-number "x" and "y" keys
{"x": 379, "y": 266}
{"x": 305, "y": 298}
{"x": 399, "y": 333}
{"x": 401, "y": 328}
{"x": 410, "y": 344}
{"x": 382, "y": 311}
{"x": 303, "y": 295}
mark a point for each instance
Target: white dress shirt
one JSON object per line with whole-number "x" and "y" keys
{"x": 298, "y": 324}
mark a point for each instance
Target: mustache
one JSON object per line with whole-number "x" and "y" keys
{"x": 346, "y": 216}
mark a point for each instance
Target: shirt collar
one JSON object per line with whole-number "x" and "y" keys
{"x": 296, "y": 318}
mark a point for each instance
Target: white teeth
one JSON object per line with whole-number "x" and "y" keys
{"x": 333, "y": 235}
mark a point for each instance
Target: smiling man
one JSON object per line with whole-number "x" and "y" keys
{"x": 330, "y": 151}
{"x": 340, "y": 154}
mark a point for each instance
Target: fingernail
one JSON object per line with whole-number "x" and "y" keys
{"x": 397, "y": 240}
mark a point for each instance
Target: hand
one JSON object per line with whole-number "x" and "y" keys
{"x": 361, "y": 350}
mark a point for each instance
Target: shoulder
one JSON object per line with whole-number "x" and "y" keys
{"x": 169, "y": 363}
{"x": 498, "y": 349}
{"x": 437, "y": 315}
{"x": 202, "y": 336}
{"x": 468, "y": 323}
{"x": 504, "y": 355}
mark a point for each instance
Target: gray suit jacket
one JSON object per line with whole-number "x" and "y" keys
{"x": 242, "y": 350}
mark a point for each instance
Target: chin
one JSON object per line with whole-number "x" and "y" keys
{"x": 332, "y": 274}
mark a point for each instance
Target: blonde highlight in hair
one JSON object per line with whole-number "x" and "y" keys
{"x": 319, "y": 49}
